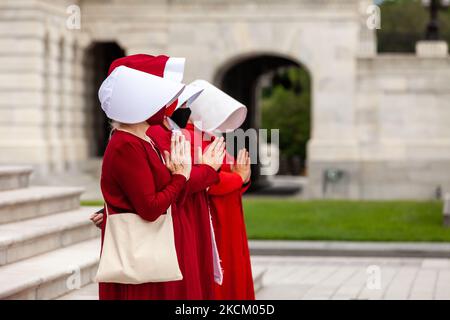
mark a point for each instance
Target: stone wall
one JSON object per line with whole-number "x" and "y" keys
{"x": 403, "y": 122}
{"x": 324, "y": 36}
{"x": 42, "y": 83}
{"x": 379, "y": 118}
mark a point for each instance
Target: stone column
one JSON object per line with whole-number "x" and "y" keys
{"x": 334, "y": 143}
{"x": 367, "y": 46}
{"x": 67, "y": 102}
{"x": 78, "y": 140}
{"x": 89, "y": 98}
{"x": 53, "y": 119}
{"x": 22, "y": 139}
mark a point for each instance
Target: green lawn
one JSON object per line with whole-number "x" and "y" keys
{"x": 284, "y": 219}
{"x": 345, "y": 220}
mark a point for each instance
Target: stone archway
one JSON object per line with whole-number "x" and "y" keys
{"x": 241, "y": 77}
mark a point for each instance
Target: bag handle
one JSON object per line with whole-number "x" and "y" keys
{"x": 148, "y": 140}
{"x": 106, "y": 209}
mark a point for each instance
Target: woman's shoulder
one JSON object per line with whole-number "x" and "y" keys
{"x": 125, "y": 142}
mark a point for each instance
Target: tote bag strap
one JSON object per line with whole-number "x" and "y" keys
{"x": 155, "y": 148}
{"x": 169, "y": 211}
{"x": 106, "y": 209}
{"x": 150, "y": 141}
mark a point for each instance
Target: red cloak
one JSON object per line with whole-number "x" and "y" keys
{"x": 195, "y": 206}
{"x": 134, "y": 179}
{"x": 225, "y": 200}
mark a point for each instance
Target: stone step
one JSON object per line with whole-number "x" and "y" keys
{"x": 21, "y": 204}
{"x": 24, "y": 239}
{"x": 51, "y": 274}
{"x": 90, "y": 291}
{"x": 14, "y": 177}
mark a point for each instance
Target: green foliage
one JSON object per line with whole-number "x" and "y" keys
{"x": 345, "y": 220}
{"x": 289, "y": 111}
{"x": 403, "y": 23}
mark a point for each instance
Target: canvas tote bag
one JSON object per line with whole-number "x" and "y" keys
{"x": 138, "y": 251}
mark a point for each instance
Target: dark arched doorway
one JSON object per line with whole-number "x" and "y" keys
{"x": 101, "y": 55}
{"x": 250, "y": 80}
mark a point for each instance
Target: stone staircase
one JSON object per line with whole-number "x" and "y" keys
{"x": 49, "y": 249}
{"x": 48, "y": 246}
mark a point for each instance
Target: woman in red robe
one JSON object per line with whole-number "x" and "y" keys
{"x": 134, "y": 179}
{"x": 225, "y": 203}
{"x": 194, "y": 204}
{"x": 203, "y": 175}
{"x": 225, "y": 198}
{"x": 228, "y": 218}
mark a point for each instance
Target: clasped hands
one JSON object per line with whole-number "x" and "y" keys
{"x": 179, "y": 160}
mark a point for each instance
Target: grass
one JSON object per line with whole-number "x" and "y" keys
{"x": 92, "y": 203}
{"x": 283, "y": 219}
{"x": 345, "y": 220}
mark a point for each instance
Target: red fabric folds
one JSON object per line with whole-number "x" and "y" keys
{"x": 193, "y": 203}
{"x": 225, "y": 200}
{"x": 135, "y": 180}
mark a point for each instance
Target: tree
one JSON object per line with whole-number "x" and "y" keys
{"x": 289, "y": 111}
{"x": 403, "y": 23}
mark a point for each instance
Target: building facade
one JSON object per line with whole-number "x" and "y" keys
{"x": 380, "y": 122}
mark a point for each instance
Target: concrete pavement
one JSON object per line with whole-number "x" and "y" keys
{"x": 341, "y": 278}
{"x": 331, "y": 278}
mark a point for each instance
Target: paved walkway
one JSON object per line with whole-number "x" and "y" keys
{"x": 353, "y": 278}
{"x": 324, "y": 278}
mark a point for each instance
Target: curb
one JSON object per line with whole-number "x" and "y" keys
{"x": 350, "y": 249}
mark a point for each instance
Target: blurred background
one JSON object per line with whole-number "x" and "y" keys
{"x": 359, "y": 89}
{"x": 360, "y": 98}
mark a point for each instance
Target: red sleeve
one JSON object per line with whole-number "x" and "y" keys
{"x": 135, "y": 177}
{"x": 229, "y": 182}
{"x": 202, "y": 177}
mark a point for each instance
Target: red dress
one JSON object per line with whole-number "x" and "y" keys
{"x": 225, "y": 199}
{"x": 134, "y": 179}
{"x": 229, "y": 225}
{"x": 195, "y": 206}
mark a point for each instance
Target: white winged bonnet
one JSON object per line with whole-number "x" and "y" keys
{"x": 131, "y": 96}
{"x": 214, "y": 110}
